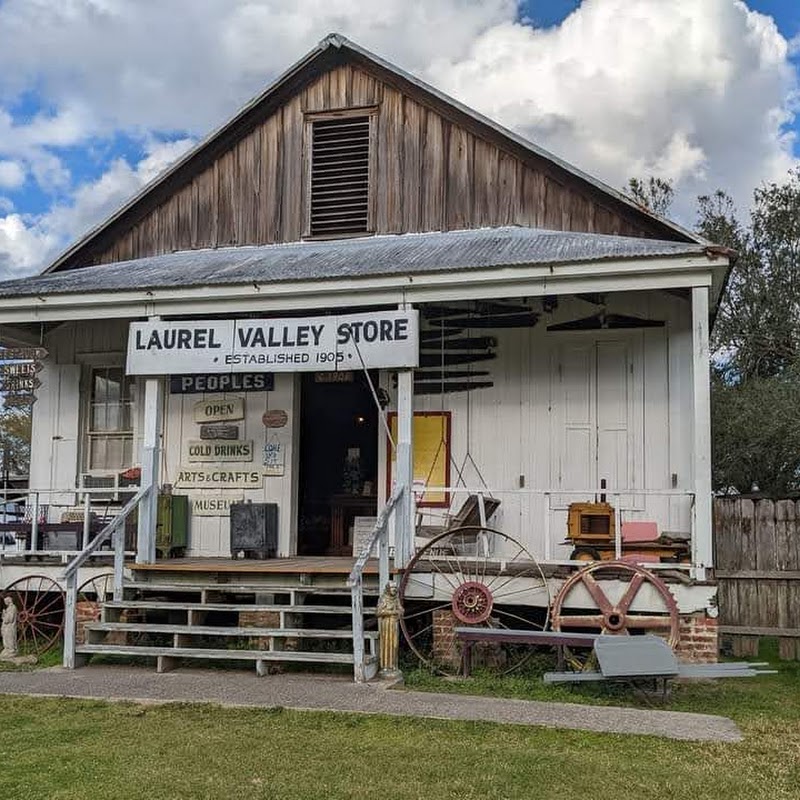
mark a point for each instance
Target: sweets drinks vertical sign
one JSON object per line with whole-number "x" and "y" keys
{"x": 376, "y": 340}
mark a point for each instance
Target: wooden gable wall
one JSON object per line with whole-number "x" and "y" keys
{"x": 431, "y": 174}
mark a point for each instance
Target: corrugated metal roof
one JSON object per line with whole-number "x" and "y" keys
{"x": 406, "y": 254}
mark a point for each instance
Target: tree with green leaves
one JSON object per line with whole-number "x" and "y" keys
{"x": 15, "y": 440}
{"x": 654, "y": 194}
{"x": 755, "y": 341}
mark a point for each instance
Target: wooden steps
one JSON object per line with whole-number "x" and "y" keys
{"x": 167, "y": 657}
{"x": 203, "y": 620}
{"x": 221, "y": 630}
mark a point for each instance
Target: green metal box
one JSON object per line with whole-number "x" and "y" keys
{"x": 172, "y": 524}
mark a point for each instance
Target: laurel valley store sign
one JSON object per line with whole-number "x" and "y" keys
{"x": 379, "y": 339}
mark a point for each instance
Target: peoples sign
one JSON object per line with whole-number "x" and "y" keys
{"x": 352, "y": 341}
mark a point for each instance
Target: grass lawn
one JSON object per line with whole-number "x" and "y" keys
{"x": 56, "y": 749}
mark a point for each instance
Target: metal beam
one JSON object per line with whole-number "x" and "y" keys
{"x": 151, "y": 456}
{"x": 498, "y": 282}
{"x": 702, "y": 552}
{"x": 404, "y": 474}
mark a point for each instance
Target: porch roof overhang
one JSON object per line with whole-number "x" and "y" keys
{"x": 369, "y": 271}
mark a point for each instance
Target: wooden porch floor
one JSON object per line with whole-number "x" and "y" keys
{"x": 310, "y": 565}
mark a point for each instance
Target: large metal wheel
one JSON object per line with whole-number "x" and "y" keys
{"x": 583, "y": 603}
{"x": 97, "y": 589}
{"x": 40, "y": 613}
{"x": 471, "y": 576}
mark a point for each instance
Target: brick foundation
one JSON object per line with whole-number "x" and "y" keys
{"x": 699, "y": 642}
{"x": 86, "y": 611}
{"x": 445, "y": 648}
{"x": 260, "y": 619}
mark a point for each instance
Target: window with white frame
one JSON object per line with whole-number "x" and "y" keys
{"x": 110, "y": 421}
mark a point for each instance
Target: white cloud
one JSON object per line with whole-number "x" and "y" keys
{"x": 22, "y": 245}
{"x": 26, "y": 244}
{"x": 692, "y": 91}
{"x": 699, "y": 92}
{"x": 12, "y": 175}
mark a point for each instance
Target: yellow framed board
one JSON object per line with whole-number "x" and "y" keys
{"x": 431, "y": 455}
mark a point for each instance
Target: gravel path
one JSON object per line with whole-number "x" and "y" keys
{"x": 323, "y": 692}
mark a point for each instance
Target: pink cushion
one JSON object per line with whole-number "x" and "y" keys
{"x": 639, "y": 531}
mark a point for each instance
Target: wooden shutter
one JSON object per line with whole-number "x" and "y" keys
{"x": 339, "y": 176}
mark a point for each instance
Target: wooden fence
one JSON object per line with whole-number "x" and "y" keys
{"x": 757, "y": 561}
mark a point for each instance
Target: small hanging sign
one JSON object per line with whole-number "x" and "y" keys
{"x": 215, "y": 505}
{"x": 23, "y": 354}
{"x": 219, "y": 478}
{"x": 225, "y": 382}
{"x": 275, "y": 419}
{"x": 219, "y": 431}
{"x": 274, "y": 457}
{"x": 199, "y": 450}
{"x": 345, "y": 376}
{"x": 219, "y": 409}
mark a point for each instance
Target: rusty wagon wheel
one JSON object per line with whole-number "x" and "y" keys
{"x": 584, "y": 604}
{"x": 97, "y": 589}
{"x": 471, "y": 576}
{"x": 40, "y": 613}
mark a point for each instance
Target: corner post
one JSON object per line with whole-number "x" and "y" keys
{"x": 404, "y": 515}
{"x": 151, "y": 452}
{"x": 70, "y": 621}
{"x": 702, "y": 553}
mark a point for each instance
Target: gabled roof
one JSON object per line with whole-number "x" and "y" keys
{"x": 367, "y": 257}
{"x": 331, "y": 52}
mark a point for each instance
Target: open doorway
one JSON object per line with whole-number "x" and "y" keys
{"x": 338, "y": 460}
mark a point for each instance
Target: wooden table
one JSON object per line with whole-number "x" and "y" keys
{"x": 344, "y": 507}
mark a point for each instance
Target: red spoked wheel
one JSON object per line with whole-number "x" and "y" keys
{"x": 471, "y": 576}
{"x": 617, "y": 598}
{"x": 40, "y": 613}
{"x": 97, "y": 589}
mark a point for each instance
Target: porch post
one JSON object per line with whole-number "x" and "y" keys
{"x": 702, "y": 553}
{"x": 151, "y": 454}
{"x": 404, "y": 517}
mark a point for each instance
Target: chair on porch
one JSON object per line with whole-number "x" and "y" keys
{"x": 468, "y": 516}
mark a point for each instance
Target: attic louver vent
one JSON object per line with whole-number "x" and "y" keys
{"x": 340, "y": 176}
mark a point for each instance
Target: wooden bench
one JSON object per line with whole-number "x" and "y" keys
{"x": 558, "y": 639}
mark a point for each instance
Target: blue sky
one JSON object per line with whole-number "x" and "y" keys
{"x": 98, "y": 96}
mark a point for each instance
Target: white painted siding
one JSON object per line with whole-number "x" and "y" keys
{"x": 210, "y": 536}
{"x": 570, "y": 408}
{"x": 566, "y": 409}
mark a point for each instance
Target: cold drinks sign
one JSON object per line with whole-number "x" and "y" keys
{"x": 380, "y": 339}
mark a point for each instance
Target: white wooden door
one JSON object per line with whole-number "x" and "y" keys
{"x": 596, "y": 415}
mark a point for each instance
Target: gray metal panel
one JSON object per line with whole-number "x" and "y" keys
{"x": 635, "y": 656}
{"x": 405, "y": 254}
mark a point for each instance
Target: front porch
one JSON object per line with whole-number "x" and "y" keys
{"x": 529, "y": 388}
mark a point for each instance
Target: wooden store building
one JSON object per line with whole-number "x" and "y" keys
{"x": 359, "y": 296}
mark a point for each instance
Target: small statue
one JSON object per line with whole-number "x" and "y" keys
{"x": 9, "y": 628}
{"x": 388, "y": 612}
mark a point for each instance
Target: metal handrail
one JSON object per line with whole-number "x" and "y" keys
{"x": 377, "y": 531}
{"x": 116, "y": 531}
{"x": 379, "y": 537}
{"x": 106, "y": 532}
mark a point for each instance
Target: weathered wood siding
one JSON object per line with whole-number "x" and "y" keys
{"x": 758, "y": 571}
{"x": 431, "y": 174}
